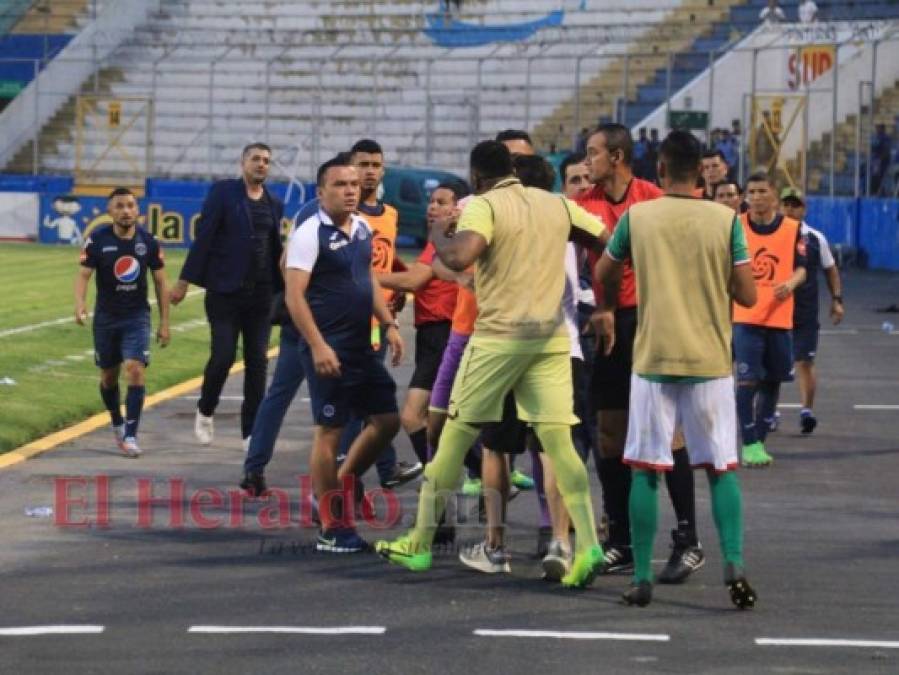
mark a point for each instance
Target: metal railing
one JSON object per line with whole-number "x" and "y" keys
{"x": 454, "y": 101}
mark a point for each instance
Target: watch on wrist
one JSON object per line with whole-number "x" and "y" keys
{"x": 837, "y": 298}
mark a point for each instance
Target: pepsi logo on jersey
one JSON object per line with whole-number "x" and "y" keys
{"x": 126, "y": 270}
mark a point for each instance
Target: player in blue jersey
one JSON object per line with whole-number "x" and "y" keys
{"x": 122, "y": 254}
{"x": 331, "y": 294}
{"x": 805, "y": 310}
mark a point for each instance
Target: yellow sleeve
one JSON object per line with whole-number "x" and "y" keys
{"x": 583, "y": 219}
{"x": 477, "y": 216}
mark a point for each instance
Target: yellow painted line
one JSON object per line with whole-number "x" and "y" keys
{"x": 99, "y": 420}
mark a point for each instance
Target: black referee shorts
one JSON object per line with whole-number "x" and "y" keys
{"x": 610, "y": 385}
{"x": 430, "y": 342}
{"x": 509, "y": 435}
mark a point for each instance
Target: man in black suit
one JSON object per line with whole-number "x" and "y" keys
{"x": 235, "y": 256}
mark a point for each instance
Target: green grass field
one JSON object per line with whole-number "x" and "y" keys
{"x": 53, "y": 367}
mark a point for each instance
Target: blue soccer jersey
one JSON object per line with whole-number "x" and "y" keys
{"x": 121, "y": 267}
{"x": 340, "y": 286}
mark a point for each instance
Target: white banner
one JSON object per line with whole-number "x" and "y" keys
{"x": 19, "y": 215}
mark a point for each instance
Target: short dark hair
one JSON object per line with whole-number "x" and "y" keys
{"x": 120, "y": 192}
{"x": 534, "y": 171}
{"x": 570, "y": 160}
{"x": 459, "y": 188}
{"x": 618, "y": 137}
{"x": 255, "y": 146}
{"x": 514, "y": 135}
{"x": 341, "y": 159}
{"x": 681, "y": 153}
{"x": 368, "y": 146}
{"x": 708, "y": 154}
{"x": 760, "y": 177}
{"x": 727, "y": 182}
{"x": 491, "y": 159}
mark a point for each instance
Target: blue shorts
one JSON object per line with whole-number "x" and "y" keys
{"x": 763, "y": 354}
{"x": 121, "y": 338}
{"x": 805, "y": 341}
{"x": 364, "y": 388}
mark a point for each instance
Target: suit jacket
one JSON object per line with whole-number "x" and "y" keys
{"x": 220, "y": 255}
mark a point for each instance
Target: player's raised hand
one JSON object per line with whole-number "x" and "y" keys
{"x": 446, "y": 225}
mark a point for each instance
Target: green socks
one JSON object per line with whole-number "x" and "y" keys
{"x": 571, "y": 477}
{"x": 644, "y": 514}
{"x": 727, "y": 510}
{"x": 440, "y": 478}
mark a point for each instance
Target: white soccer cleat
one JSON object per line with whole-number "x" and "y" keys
{"x": 130, "y": 448}
{"x": 119, "y": 432}
{"x": 203, "y": 428}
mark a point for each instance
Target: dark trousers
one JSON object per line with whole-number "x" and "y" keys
{"x": 246, "y": 313}
{"x": 286, "y": 381}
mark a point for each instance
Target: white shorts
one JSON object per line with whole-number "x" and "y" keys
{"x": 706, "y": 412}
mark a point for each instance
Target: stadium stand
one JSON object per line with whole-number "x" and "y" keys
{"x": 10, "y": 13}
{"x": 425, "y": 81}
{"x": 741, "y": 20}
{"x": 32, "y": 33}
{"x": 886, "y": 107}
{"x": 314, "y": 58}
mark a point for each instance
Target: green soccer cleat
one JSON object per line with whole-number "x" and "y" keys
{"x": 400, "y": 552}
{"x": 521, "y": 480}
{"x": 585, "y": 567}
{"x": 755, "y": 456}
{"x": 471, "y": 487}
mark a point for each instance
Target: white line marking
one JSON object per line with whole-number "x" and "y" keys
{"x": 53, "y": 363}
{"x": 51, "y": 630}
{"x": 876, "y": 407}
{"x": 298, "y": 630}
{"x": 816, "y": 642}
{"x": 789, "y": 406}
{"x": 66, "y": 319}
{"x": 36, "y": 326}
{"x": 572, "y": 635}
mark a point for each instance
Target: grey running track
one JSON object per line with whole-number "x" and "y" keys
{"x": 822, "y": 549}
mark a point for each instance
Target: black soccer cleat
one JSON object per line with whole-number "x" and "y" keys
{"x": 618, "y": 560}
{"x": 403, "y": 472}
{"x": 253, "y": 484}
{"x": 444, "y": 535}
{"x": 639, "y": 594}
{"x": 686, "y": 557}
{"x": 741, "y": 593}
{"x": 807, "y": 423}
